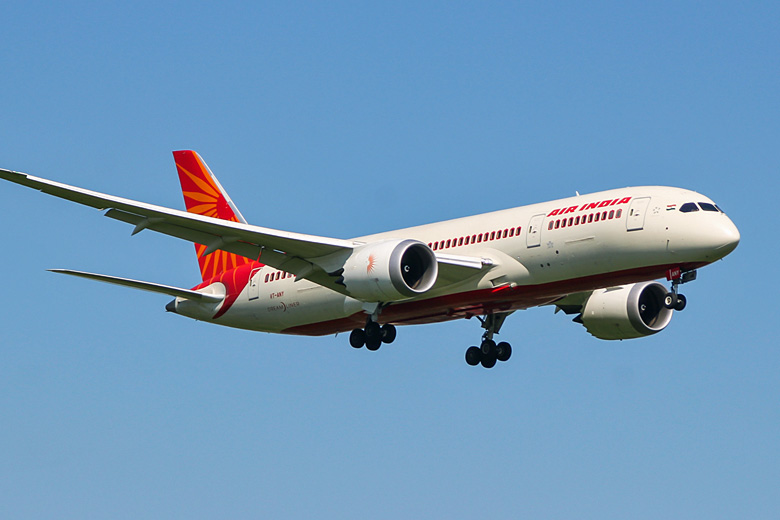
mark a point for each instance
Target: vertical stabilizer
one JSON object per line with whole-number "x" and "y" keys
{"x": 203, "y": 195}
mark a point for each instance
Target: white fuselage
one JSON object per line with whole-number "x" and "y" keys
{"x": 536, "y": 254}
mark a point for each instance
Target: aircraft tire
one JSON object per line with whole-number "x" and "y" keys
{"x": 357, "y": 338}
{"x": 473, "y": 356}
{"x": 387, "y": 333}
{"x": 489, "y": 361}
{"x": 488, "y": 347}
{"x": 669, "y": 301}
{"x": 503, "y": 351}
{"x": 373, "y": 343}
{"x": 681, "y": 302}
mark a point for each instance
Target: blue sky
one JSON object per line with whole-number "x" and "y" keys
{"x": 348, "y": 118}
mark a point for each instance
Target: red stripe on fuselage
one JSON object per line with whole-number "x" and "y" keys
{"x": 486, "y": 301}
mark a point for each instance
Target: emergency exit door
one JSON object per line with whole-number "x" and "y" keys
{"x": 636, "y": 213}
{"x": 534, "y": 234}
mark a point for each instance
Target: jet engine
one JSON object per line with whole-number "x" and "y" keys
{"x": 391, "y": 270}
{"x": 626, "y": 312}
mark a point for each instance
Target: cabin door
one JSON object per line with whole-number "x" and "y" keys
{"x": 534, "y": 234}
{"x": 636, "y": 213}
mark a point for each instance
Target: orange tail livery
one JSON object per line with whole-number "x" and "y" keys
{"x": 203, "y": 195}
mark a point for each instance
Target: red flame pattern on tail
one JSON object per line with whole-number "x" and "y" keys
{"x": 204, "y": 196}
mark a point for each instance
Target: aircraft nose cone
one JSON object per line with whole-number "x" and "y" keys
{"x": 731, "y": 237}
{"x": 725, "y": 238}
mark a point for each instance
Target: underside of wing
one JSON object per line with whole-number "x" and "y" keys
{"x": 318, "y": 259}
{"x": 293, "y": 252}
{"x": 146, "y": 286}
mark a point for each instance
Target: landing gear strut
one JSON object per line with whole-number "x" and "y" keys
{"x": 488, "y": 352}
{"x": 675, "y": 300}
{"x": 373, "y": 335}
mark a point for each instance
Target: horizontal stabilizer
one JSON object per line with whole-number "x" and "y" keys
{"x": 146, "y": 286}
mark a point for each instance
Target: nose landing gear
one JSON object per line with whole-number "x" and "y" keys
{"x": 488, "y": 352}
{"x": 675, "y": 300}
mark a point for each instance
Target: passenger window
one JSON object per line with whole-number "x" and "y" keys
{"x": 460, "y": 241}
{"x": 611, "y": 214}
{"x": 550, "y": 225}
{"x": 619, "y": 212}
{"x": 597, "y": 217}
{"x": 266, "y": 277}
{"x": 590, "y": 218}
{"x": 571, "y": 221}
{"x": 447, "y": 245}
{"x": 706, "y": 206}
{"x": 689, "y": 207}
{"x": 512, "y": 232}
{"x": 557, "y": 224}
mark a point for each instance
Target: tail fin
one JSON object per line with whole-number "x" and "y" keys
{"x": 203, "y": 195}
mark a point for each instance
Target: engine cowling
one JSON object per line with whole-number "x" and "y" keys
{"x": 627, "y": 312}
{"x": 389, "y": 271}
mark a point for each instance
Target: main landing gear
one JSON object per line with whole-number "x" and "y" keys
{"x": 675, "y": 300}
{"x": 489, "y": 352}
{"x": 373, "y": 335}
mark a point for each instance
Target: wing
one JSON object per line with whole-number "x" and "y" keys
{"x": 291, "y": 252}
{"x": 295, "y": 253}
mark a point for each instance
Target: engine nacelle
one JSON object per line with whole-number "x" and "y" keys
{"x": 626, "y": 312}
{"x": 390, "y": 271}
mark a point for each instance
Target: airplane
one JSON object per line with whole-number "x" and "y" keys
{"x": 596, "y": 257}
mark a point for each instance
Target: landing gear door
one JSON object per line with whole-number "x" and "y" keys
{"x": 534, "y": 234}
{"x": 636, "y": 213}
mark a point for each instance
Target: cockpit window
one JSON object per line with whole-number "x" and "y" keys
{"x": 706, "y": 206}
{"x": 688, "y": 207}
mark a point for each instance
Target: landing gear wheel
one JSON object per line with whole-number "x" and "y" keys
{"x": 503, "y": 351}
{"x": 681, "y": 302}
{"x": 387, "y": 333}
{"x": 473, "y": 356}
{"x": 357, "y": 338}
{"x": 372, "y": 330}
{"x": 489, "y": 361}
{"x": 488, "y": 353}
{"x": 488, "y": 347}
{"x": 670, "y": 301}
{"x": 373, "y": 335}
